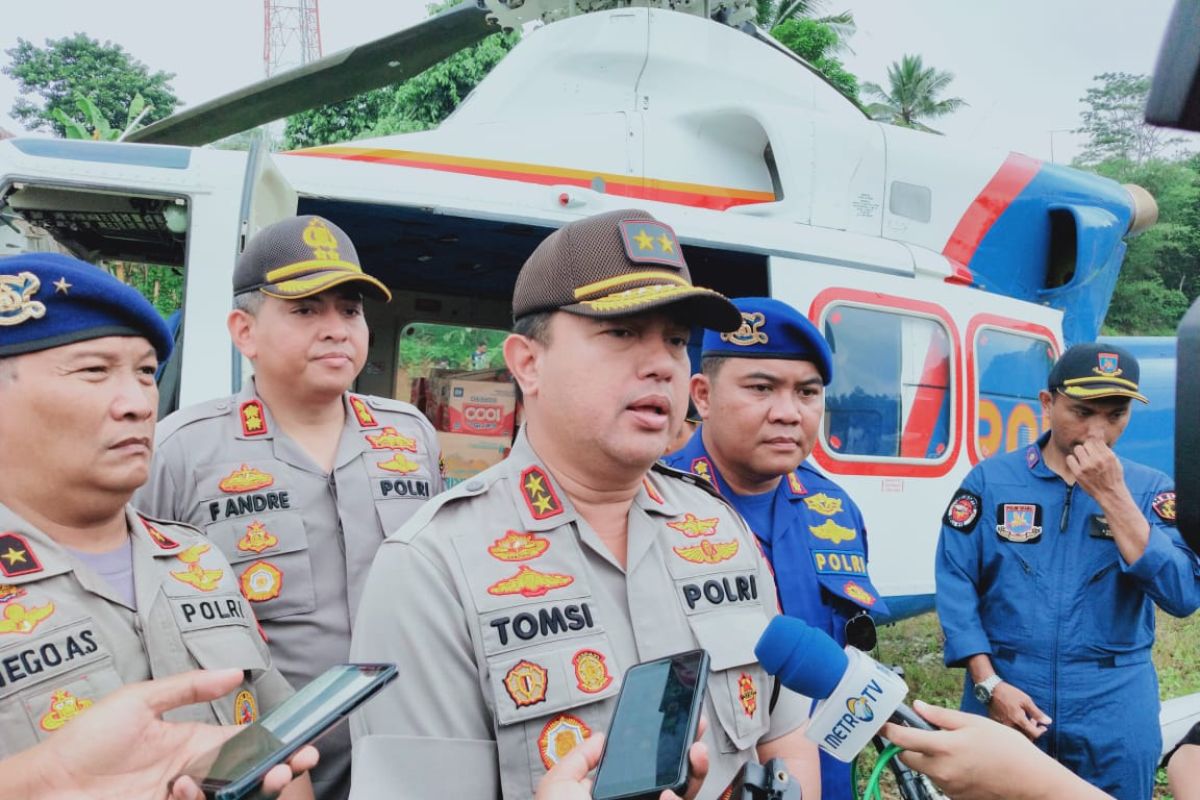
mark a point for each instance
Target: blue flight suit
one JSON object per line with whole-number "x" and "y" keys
{"x": 1028, "y": 573}
{"x": 817, "y": 545}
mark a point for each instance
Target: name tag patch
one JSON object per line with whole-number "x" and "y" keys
{"x": 197, "y": 613}
{"x": 836, "y": 562}
{"x": 60, "y": 651}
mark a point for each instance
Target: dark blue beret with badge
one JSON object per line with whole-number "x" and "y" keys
{"x": 49, "y": 300}
{"x": 772, "y": 329}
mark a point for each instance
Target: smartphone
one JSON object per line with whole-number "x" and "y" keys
{"x": 236, "y": 769}
{"x": 653, "y": 725}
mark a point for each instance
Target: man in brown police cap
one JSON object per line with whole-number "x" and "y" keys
{"x": 296, "y": 478}
{"x": 515, "y": 602}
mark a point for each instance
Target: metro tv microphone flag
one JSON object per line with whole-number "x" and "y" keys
{"x": 856, "y": 694}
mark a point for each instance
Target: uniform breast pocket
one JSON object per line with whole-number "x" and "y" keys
{"x": 229, "y": 647}
{"x": 549, "y": 698}
{"x": 398, "y": 497}
{"x": 48, "y": 681}
{"x": 738, "y": 688}
{"x": 1012, "y": 595}
{"x": 1112, "y": 610}
{"x": 271, "y": 561}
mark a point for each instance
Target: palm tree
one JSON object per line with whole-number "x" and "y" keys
{"x": 773, "y": 12}
{"x": 914, "y": 95}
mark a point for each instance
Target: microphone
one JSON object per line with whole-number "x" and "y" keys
{"x": 856, "y": 694}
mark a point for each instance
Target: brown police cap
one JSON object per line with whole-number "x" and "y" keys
{"x": 614, "y": 264}
{"x": 300, "y": 257}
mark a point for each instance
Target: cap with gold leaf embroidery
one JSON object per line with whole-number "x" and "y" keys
{"x": 50, "y": 300}
{"x": 1094, "y": 370}
{"x": 614, "y": 264}
{"x": 301, "y": 257}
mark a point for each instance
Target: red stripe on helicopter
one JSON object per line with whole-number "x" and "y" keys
{"x": 717, "y": 198}
{"x": 927, "y": 405}
{"x": 1009, "y": 181}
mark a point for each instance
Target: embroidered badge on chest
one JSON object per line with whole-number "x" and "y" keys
{"x": 539, "y": 494}
{"x": 400, "y": 463}
{"x": 390, "y": 439}
{"x": 256, "y": 539}
{"x": 261, "y": 581}
{"x": 823, "y": 504}
{"x": 528, "y": 582}
{"x": 526, "y": 683}
{"x": 694, "y": 527}
{"x": 64, "y": 707}
{"x": 963, "y": 512}
{"x": 560, "y": 736}
{"x": 747, "y": 694}
{"x": 515, "y": 546}
{"x": 708, "y": 552}
{"x": 196, "y": 575}
{"x": 856, "y": 592}
{"x": 830, "y": 531}
{"x": 8, "y": 593}
{"x": 245, "y": 479}
{"x": 17, "y": 618}
{"x": 245, "y": 709}
{"x": 591, "y": 671}
{"x": 1022, "y": 522}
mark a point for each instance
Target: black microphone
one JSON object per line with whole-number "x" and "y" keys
{"x": 856, "y": 694}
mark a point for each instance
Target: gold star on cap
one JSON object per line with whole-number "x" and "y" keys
{"x": 61, "y": 285}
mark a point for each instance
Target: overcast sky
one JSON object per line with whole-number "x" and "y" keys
{"x": 1022, "y": 65}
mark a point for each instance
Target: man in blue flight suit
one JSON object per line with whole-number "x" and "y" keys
{"x": 1049, "y": 566}
{"x": 761, "y": 395}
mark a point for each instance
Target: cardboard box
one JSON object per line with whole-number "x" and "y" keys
{"x": 465, "y": 456}
{"x": 481, "y": 408}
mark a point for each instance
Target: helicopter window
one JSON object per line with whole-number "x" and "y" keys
{"x": 1011, "y": 371}
{"x": 890, "y": 397}
{"x": 911, "y": 201}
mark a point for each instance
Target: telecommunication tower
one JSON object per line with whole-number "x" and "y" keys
{"x": 291, "y": 34}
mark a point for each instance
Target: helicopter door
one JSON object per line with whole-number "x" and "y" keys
{"x": 267, "y": 197}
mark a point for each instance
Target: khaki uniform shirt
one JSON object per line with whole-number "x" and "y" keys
{"x": 67, "y": 639}
{"x": 511, "y": 621}
{"x": 300, "y": 539}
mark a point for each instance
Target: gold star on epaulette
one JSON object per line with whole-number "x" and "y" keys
{"x": 644, "y": 240}
{"x": 668, "y": 246}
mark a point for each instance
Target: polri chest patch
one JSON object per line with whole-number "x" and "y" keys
{"x": 1020, "y": 523}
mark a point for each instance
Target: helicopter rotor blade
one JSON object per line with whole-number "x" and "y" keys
{"x": 388, "y": 60}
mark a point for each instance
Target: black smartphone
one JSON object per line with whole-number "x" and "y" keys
{"x": 236, "y": 769}
{"x": 653, "y": 725}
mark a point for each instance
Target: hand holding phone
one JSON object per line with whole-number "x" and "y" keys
{"x": 237, "y": 768}
{"x": 654, "y": 723}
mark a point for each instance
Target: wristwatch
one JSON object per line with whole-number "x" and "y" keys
{"x": 983, "y": 691}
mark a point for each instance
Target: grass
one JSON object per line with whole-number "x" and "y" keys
{"x": 916, "y": 645}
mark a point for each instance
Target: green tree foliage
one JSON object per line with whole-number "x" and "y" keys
{"x": 773, "y": 13}
{"x": 75, "y": 66}
{"x": 95, "y": 126}
{"x": 914, "y": 94}
{"x": 162, "y": 286}
{"x": 424, "y": 346}
{"x": 1161, "y": 272}
{"x": 816, "y": 42}
{"x": 419, "y": 103}
{"x": 1115, "y": 122}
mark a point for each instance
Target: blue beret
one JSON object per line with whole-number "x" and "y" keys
{"x": 49, "y": 300}
{"x": 772, "y": 329}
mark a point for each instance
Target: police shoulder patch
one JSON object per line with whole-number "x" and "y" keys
{"x": 687, "y": 477}
{"x": 963, "y": 512}
{"x": 1164, "y": 506}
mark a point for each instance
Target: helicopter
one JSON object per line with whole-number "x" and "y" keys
{"x": 947, "y": 278}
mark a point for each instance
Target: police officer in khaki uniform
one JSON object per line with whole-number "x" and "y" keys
{"x": 515, "y": 602}
{"x": 93, "y": 595}
{"x": 296, "y": 479}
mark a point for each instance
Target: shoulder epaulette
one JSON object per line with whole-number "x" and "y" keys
{"x": 686, "y": 477}
{"x": 173, "y": 523}
{"x": 468, "y": 488}
{"x": 186, "y": 416}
